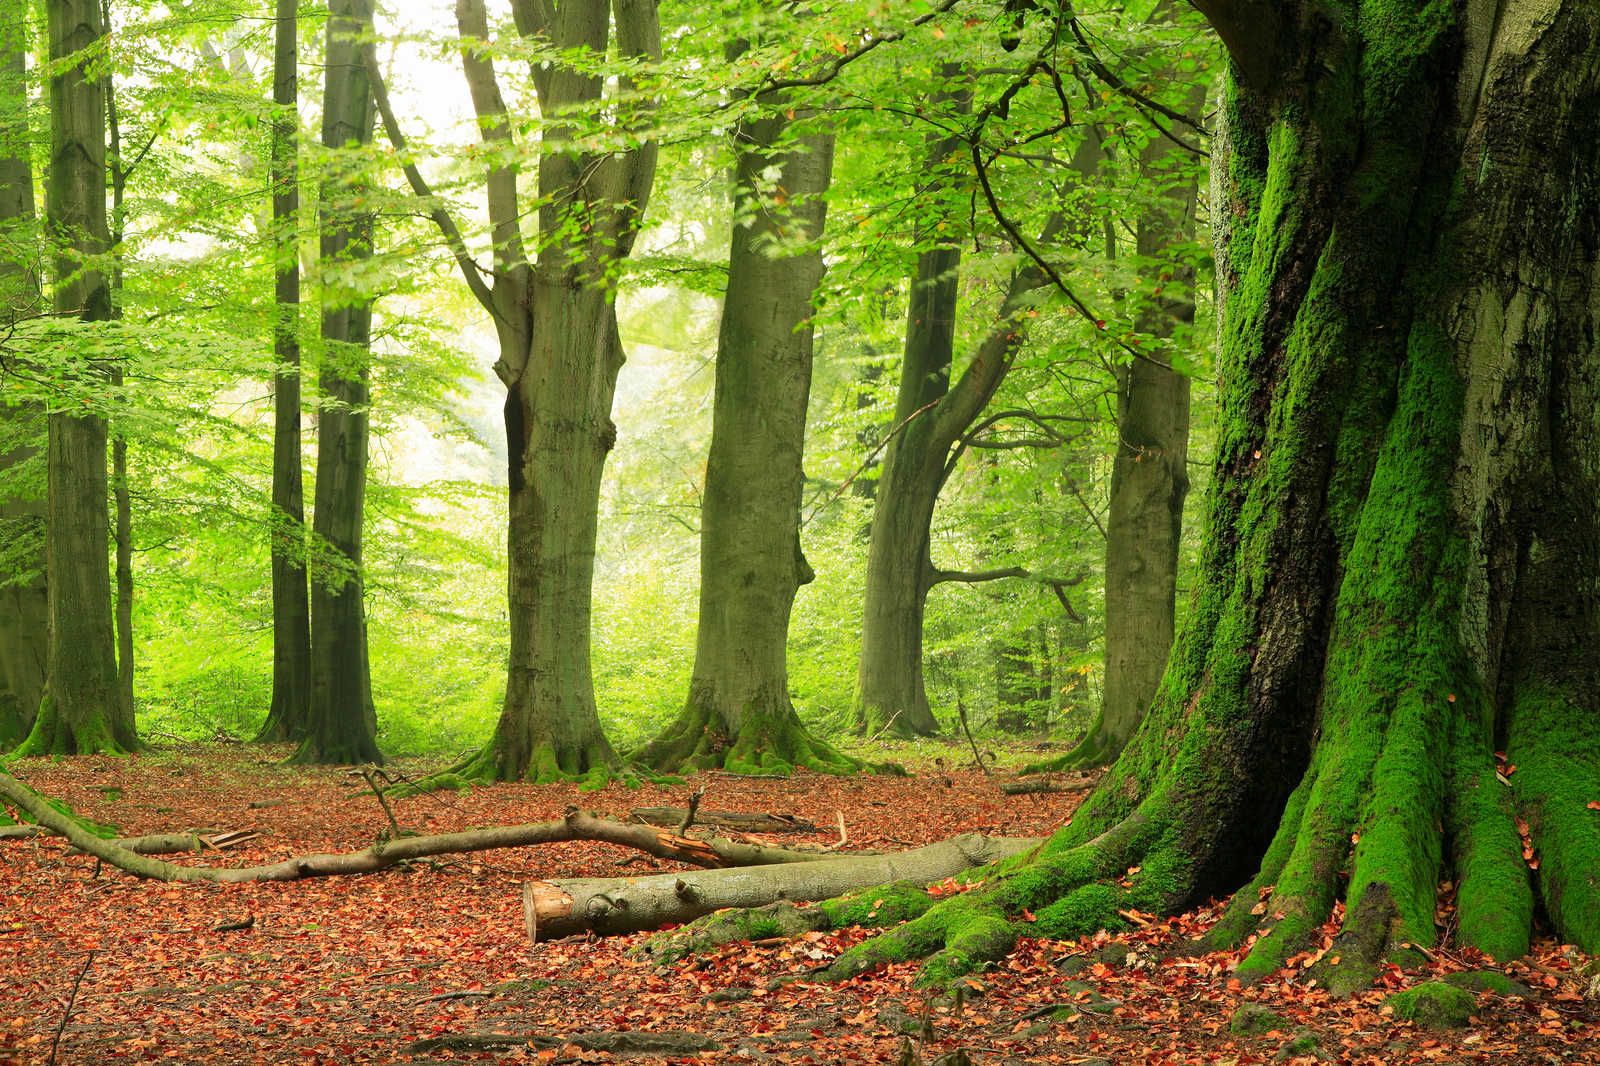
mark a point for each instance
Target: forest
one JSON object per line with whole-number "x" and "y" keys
{"x": 913, "y": 531}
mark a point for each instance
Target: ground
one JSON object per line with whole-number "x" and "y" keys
{"x": 361, "y": 969}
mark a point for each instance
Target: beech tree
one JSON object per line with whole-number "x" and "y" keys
{"x": 1399, "y": 572}
{"x": 23, "y": 606}
{"x": 291, "y": 612}
{"x": 82, "y": 711}
{"x": 341, "y": 724}
{"x": 739, "y": 714}
{"x": 555, "y": 319}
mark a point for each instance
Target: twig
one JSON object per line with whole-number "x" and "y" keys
{"x": 844, "y": 837}
{"x": 469, "y": 994}
{"x": 368, "y": 776}
{"x": 688, "y": 812}
{"x": 885, "y": 728}
{"x": 961, "y": 711}
{"x": 72, "y": 999}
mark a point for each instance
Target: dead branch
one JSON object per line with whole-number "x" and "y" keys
{"x": 742, "y": 821}
{"x": 576, "y": 825}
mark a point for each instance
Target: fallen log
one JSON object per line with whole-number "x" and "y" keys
{"x": 740, "y": 820}
{"x": 576, "y": 825}
{"x": 622, "y": 1042}
{"x": 608, "y": 906}
{"x": 1046, "y": 784}
{"x": 188, "y": 840}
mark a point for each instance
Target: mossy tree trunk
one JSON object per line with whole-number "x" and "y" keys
{"x": 560, "y": 353}
{"x": 341, "y": 723}
{"x": 739, "y": 715}
{"x": 24, "y": 609}
{"x": 81, "y": 709}
{"x": 291, "y": 611}
{"x": 1402, "y": 551}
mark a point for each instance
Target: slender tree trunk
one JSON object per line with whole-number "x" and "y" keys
{"x": 123, "y": 540}
{"x": 291, "y": 618}
{"x": 79, "y": 712}
{"x": 24, "y": 608}
{"x": 1402, "y": 555}
{"x": 341, "y": 725}
{"x": 739, "y": 715}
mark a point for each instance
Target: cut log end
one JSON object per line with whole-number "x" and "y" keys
{"x": 544, "y": 904}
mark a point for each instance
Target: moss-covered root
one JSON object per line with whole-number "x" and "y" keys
{"x": 18, "y": 816}
{"x": 1554, "y": 744}
{"x": 591, "y": 765}
{"x": 52, "y": 734}
{"x": 769, "y": 742}
{"x": 1096, "y": 749}
{"x": 883, "y": 905}
{"x": 1494, "y": 894}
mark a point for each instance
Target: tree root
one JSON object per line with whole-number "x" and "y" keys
{"x": 771, "y": 744}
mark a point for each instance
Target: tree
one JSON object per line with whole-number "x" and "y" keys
{"x": 1401, "y": 544}
{"x": 1149, "y": 474}
{"x": 341, "y": 725}
{"x": 739, "y": 713}
{"x": 82, "y": 711}
{"x": 555, "y": 318}
{"x": 291, "y": 619}
{"x": 23, "y": 597}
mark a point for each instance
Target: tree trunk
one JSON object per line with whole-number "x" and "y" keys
{"x": 559, "y": 358}
{"x": 1402, "y": 552}
{"x": 1149, "y": 473}
{"x": 79, "y": 711}
{"x": 341, "y": 725}
{"x": 739, "y": 715}
{"x": 24, "y": 608}
{"x": 609, "y": 906}
{"x": 291, "y": 619}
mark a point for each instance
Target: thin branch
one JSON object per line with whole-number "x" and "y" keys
{"x": 976, "y": 577}
{"x": 832, "y": 69}
{"x": 419, "y": 185}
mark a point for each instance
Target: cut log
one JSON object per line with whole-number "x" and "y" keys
{"x": 577, "y": 825}
{"x": 1047, "y": 784}
{"x": 613, "y": 905}
{"x": 740, "y": 820}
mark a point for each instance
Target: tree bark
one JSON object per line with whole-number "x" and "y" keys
{"x": 24, "y": 607}
{"x": 1402, "y": 553}
{"x": 341, "y": 726}
{"x": 739, "y": 715}
{"x": 78, "y": 713}
{"x": 291, "y": 617}
{"x": 609, "y": 906}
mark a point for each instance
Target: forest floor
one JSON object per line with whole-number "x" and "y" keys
{"x": 416, "y": 966}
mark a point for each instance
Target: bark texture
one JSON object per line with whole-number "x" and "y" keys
{"x": 81, "y": 709}
{"x": 1402, "y": 551}
{"x": 739, "y": 715}
{"x": 341, "y": 724}
{"x": 291, "y": 611}
{"x": 24, "y": 610}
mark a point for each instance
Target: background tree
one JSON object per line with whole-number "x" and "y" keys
{"x": 291, "y": 617}
{"x": 739, "y": 713}
{"x": 82, "y": 711}
{"x": 23, "y": 598}
{"x": 341, "y": 725}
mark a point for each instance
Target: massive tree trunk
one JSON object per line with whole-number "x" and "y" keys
{"x": 739, "y": 715}
{"x": 559, "y": 357}
{"x": 80, "y": 709}
{"x": 341, "y": 725}
{"x": 24, "y": 610}
{"x": 1402, "y": 553}
{"x": 291, "y": 618}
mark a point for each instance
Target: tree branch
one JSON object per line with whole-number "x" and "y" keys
{"x": 1249, "y": 30}
{"x": 504, "y": 220}
{"x": 419, "y": 186}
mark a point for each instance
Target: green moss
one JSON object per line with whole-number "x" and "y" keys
{"x": 1302, "y": 1043}
{"x": 880, "y": 906}
{"x": 1488, "y": 981}
{"x": 969, "y": 946}
{"x": 1086, "y": 910}
{"x": 1434, "y": 1004}
{"x": 1253, "y": 1019}
{"x": 1557, "y": 776}
{"x": 1494, "y": 894}
{"x": 52, "y": 734}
